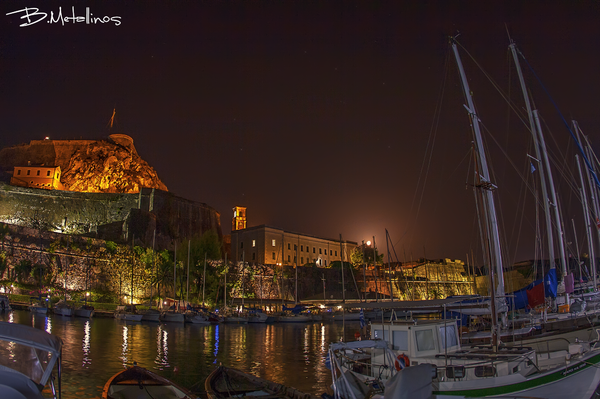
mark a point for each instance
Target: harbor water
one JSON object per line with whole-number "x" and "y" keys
{"x": 95, "y": 349}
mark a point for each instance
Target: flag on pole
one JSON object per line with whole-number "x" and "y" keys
{"x": 362, "y": 319}
{"x": 532, "y": 167}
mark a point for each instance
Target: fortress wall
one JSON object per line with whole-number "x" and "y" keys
{"x": 63, "y": 211}
{"x": 108, "y": 216}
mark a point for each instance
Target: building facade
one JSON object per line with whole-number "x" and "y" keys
{"x": 272, "y": 246}
{"x": 46, "y": 177}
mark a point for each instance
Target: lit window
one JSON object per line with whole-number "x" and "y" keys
{"x": 273, "y": 242}
{"x": 253, "y": 243}
{"x": 273, "y": 255}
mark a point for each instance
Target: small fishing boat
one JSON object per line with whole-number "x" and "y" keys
{"x": 172, "y": 316}
{"x": 63, "y": 308}
{"x": 30, "y": 356}
{"x": 227, "y": 382}
{"x": 127, "y": 313}
{"x": 150, "y": 314}
{"x": 194, "y": 317}
{"x": 85, "y": 311}
{"x": 257, "y": 316}
{"x": 38, "y": 306}
{"x": 137, "y": 382}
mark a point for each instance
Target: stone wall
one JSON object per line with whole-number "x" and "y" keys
{"x": 115, "y": 217}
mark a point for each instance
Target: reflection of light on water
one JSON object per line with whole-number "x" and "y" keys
{"x": 87, "y": 361}
{"x": 48, "y": 325}
{"x": 162, "y": 348}
{"x": 323, "y": 348}
{"x": 11, "y": 351}
{"x": 11, "y": 317}
{"x": 306, "y": 346}
{"x": 124, "y": 349}
{"x": 216, "y": 352}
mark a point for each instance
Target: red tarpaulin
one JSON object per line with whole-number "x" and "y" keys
{"x": 535, "y": 296}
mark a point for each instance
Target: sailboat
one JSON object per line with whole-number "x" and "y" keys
{"x": 444, "y": 368}
{"x": 129, "y": 312}
{"x": 173, "y": 315}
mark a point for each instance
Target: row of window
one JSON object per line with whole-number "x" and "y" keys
{"x": 48, "y": 172}
{"x": 319, "y": 262}
{"x": 274, "y": 243}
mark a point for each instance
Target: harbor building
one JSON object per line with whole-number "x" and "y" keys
{"x": 40, "y": 176}
{"x": 269, "y": 245}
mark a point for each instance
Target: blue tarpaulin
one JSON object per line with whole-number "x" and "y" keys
{"x": 550, "y": 283}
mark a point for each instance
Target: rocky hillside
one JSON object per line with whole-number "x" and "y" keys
{"x": 103, "y": 167}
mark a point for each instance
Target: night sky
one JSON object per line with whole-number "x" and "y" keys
{"x": 315, "y": 115}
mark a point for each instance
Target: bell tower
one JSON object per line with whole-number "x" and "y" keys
{"x": 239, "y": 218}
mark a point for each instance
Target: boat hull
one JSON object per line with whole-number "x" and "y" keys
{"x": 168, "y": 317}
{"x": 88, "y": 313}
{"x": 128, "y": 316}
{"x": 137, "y": 382}
{"x": 38, "y": 309}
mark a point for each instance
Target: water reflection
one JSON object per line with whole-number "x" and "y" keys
{"x": 216, "y": 351}
{"x": 162, "y": 347}
{"x": 124, "y": 346}
{"x": 87, "y": 360}
{"x": 48, "y": 325}
{"x": 291, "y": 354}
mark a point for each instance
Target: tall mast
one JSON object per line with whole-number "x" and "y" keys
{"x": 548, "y": 192}
{"x": 485, "y": 187}
{"x": 588, "y": 224}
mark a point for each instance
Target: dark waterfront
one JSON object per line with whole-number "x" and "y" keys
{"x": 289, "y": 353}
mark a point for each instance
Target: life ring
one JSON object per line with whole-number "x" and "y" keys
{"x": 401, "y": 362}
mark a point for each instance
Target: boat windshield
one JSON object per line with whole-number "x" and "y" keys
{"x": 25, "y": 359}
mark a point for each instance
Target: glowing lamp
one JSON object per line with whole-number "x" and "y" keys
{"x": 368, "y": 243}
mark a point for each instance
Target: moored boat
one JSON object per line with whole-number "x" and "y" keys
{"x": 127, "y": 313}
{"x": 196, "y": 318}
{"x": 227, "y": 382}
{"x": 38, "y": 306}
{"x": 137, "y": 382}
{"x": 62, "y": 308}
{"x": 4, "y": 304}
{"x": 149, "y": 314}
{"x": 27, "y": 363}
{"x": 172, "y": 316}
{"x": 84, "y": 311}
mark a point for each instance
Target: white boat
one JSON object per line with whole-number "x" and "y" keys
{"x": 84, "y": 311}
{"x": 171, "y": 316}
{"x": 196, "y": 318}
{"x": 27, "y": 362}
{"x": 149, "y": 314}
{"x": 257, "y": 316}
{"x": 62, "y": 308}
{"x": 361, "y": 366}
{"x": 38, "y": 306}
{"x": 294, "y": 318}
{"x": 235, "y": 318}
{"x": 127, "y": 313}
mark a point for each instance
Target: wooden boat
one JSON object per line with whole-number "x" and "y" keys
{"x": 137, "y": 382}
{"x": 63, "y": 308}
{"x": 227, "y": 382}
{"x": 127, "y": 313}
{"x": 85, "y": 311}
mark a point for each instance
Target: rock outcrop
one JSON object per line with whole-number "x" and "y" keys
{"x": 103, "y": 167}
{"x": 93, "y": 166}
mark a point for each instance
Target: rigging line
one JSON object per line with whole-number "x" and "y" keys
{"x": 429, "y": 150}
{"x": 511, "y": 104}
{"x": 585, "y": 158}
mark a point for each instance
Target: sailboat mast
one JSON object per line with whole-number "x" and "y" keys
{"x": 548, "y": 191}
{"x": 485, "y": 189}
{"x": 204, "y": 280}
{"x": 586, "y": 218}
{"x": 187, "y": 294}
{"x": 175, "y": 273}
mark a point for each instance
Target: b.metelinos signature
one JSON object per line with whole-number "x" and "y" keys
{"x": 33, "y": 15}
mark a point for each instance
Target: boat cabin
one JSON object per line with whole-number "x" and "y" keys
{"x": 418, "y": 338}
